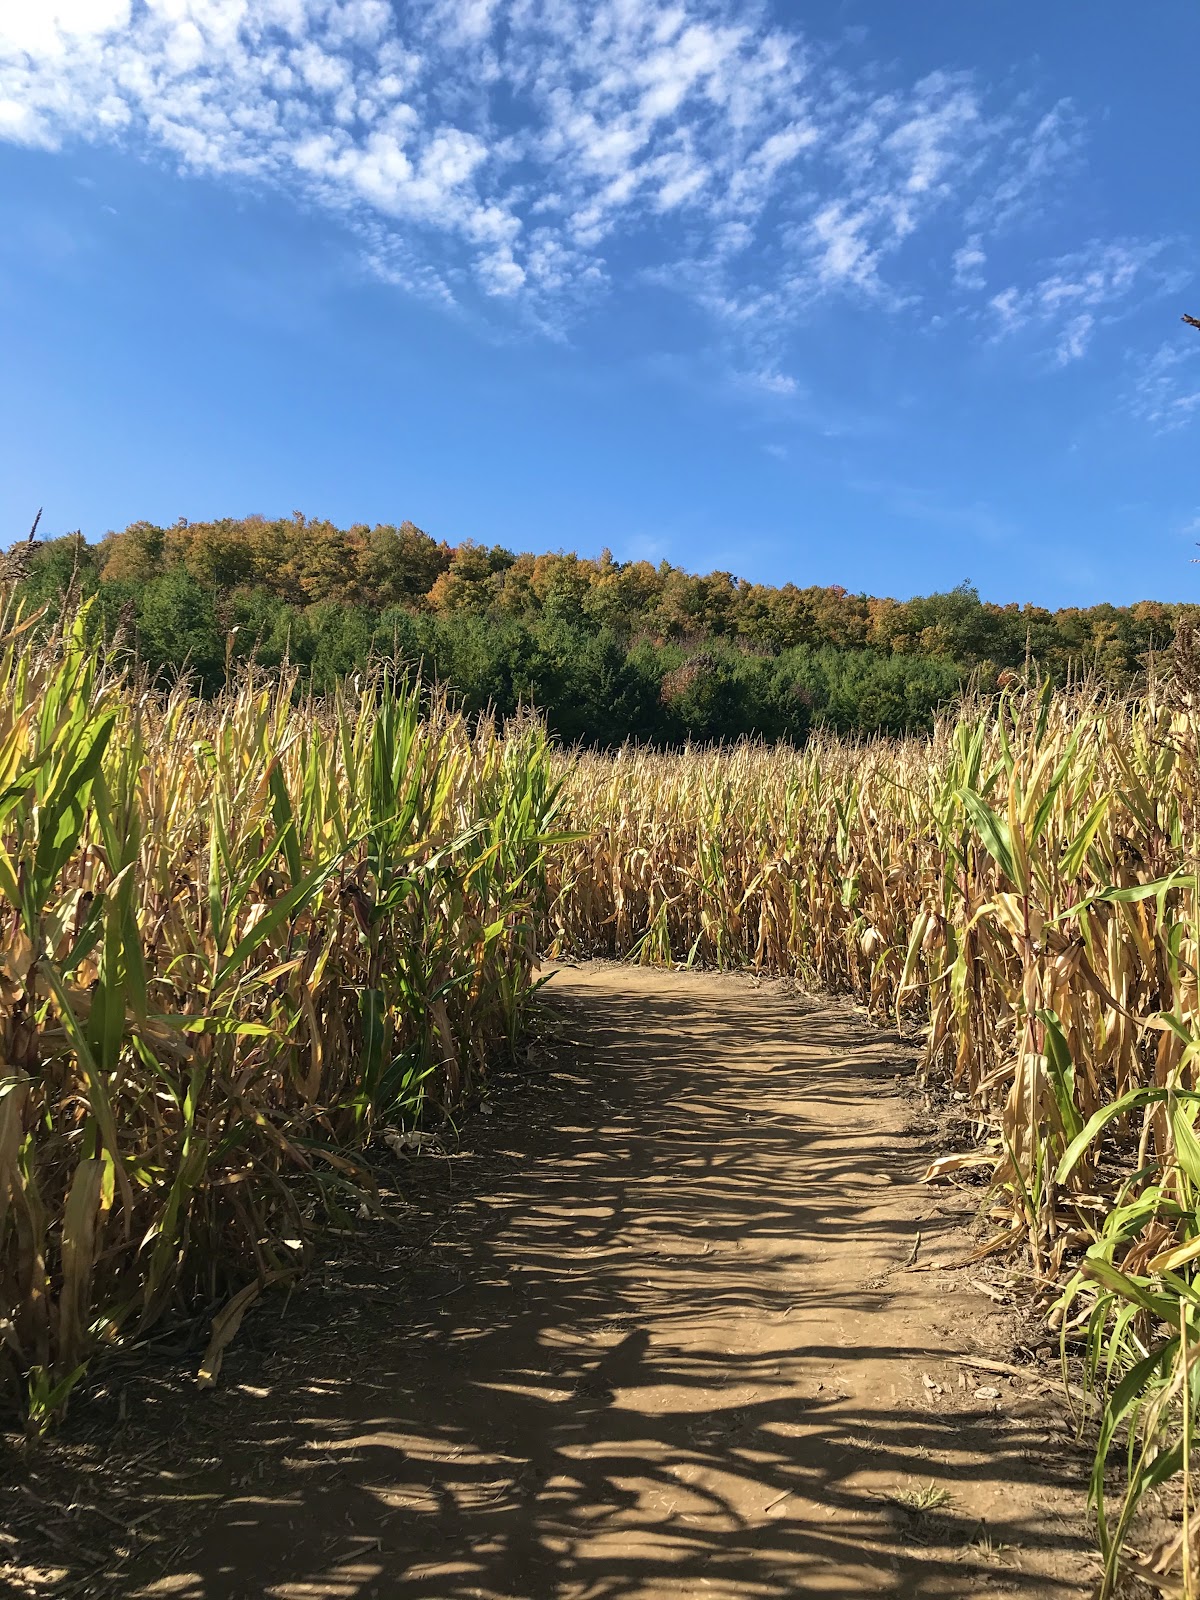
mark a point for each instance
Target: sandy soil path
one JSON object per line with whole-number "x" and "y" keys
{"x": 663, "y": 1343}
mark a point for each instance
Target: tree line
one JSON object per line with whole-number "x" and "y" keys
{"x": 606, "y": 649}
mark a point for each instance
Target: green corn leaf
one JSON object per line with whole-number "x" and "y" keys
{"x": 285, "y": 822}
{"x": 1135, "y": 1290}
{"x": 1099, "y": 1120}
{"x": 62, "y": 809}
{"x": 994, "y": 833}
{"x": 1073, "y": 855}
{"x": 1061, "y": 1072}
{"x": 287, "y": 906}
{"x": 1042, "y": 814}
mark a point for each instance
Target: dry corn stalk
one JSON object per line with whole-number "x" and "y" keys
{"x": 1023, "y": 884}
{"x": 234, "y": 937}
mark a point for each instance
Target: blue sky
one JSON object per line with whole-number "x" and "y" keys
{"x": 856, "y": 292}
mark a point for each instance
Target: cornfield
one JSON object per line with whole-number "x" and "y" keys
{"x": 236, "y": 939}
{"x": 1022, "y": 889}
{"x": 240, "y": 938}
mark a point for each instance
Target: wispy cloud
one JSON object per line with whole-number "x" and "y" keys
{"x": 1079, "y": 291}
{"x": 521, "y": 145}
{"x": 1038, "y": 155}
{"x": 968, "y": 262}
{"x": 1166, "y": 392}
{"x": 1074, "y": 338}
{"x": 977, "y": 521}
{"x": 768, "y": 381}
{"x": 532, "y": 153}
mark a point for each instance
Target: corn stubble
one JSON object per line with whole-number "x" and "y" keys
{"x": 1021, "y": 888}
{"x": 236, "y": 938}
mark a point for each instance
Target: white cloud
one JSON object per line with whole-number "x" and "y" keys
{"x": 1166, "y": 392}
{"x": 1036, "y": 160}
{"x": 1079, "y": 291}
{"x": 1074, "y": 338}
{"x": 769, "y": 381}
{"x": 538, "y": 149}
{"x": 968, "y": 262}
{"x": 938, "y": 134}
{"x": 841, "y": 254}
{"x": 1008, "y": 309}
{"x": 51, "y": 27}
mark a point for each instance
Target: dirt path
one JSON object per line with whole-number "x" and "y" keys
{"x": 662, "y": 1343}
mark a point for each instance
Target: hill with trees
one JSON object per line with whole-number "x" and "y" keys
{"x": 607, "y": 649}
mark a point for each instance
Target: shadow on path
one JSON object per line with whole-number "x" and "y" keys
{"x": 656, "y": 1340}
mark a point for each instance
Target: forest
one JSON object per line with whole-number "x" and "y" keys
{"x": 607, "y": 650}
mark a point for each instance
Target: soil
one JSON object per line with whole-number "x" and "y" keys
{"x": 660, "y": 1322}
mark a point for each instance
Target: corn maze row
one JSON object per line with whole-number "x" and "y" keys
{"x": 240, "y": 937}
{"x": 1021, "y": 889}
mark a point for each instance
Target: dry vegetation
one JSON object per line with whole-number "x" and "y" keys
{"x": 1022, "y": 888}
{"x": 241, "y": 937}
{"x": 237, "y": 937}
